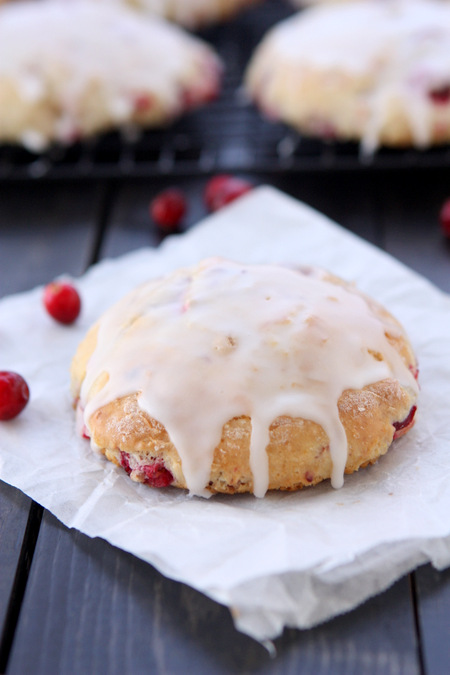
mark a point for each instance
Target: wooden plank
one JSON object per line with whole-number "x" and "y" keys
{"x": 14, "y": 509}
{"x": 90, "y": 608}
{"x": 44, "y": 231}
{"x": 433, "y": 595}
{"x": 412, "y": 234}
{"x": 411, "y": 224}
{"x": 131, "y": 227}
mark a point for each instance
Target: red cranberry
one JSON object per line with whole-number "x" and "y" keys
{"x": 168, "y": 209}
{"x": 444, "y": 218}
{"x": 309, "y": 476}
{"x": 223, "y": 189}
{"x": 125, "y": 461}
{"x": 14, "y": 394}
{"x": 440, "y": 96}
{"x": 143, "y": 102}
{"x": 157, "y": 475}
{"x": 62, "y": 301}
{"x": 406, "y": 424}
{"x": 415, "y": 371}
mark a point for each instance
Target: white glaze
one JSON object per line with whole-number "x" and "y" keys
{"x": 404, "y": 45}
{"x": 221, "y": 340}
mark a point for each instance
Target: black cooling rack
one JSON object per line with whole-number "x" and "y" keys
{"x": 228, "y": 135}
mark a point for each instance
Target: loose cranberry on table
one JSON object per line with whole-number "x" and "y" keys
{"x": 62, "y": 301}
{"x": 168, "y": 209}
{"x": 14, "y": 394}
{"x": 223, "y": 189}
{"x": 444, "y": 218}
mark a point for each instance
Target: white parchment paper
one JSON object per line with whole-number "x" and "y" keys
{"x": 288, "y": 559}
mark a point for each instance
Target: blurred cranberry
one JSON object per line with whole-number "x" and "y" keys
{"x": 62, "y": 301}
{"x": 223, "y": 189}
{"x": 444, "y": 218}
{"x": 168, "y": 209}
{"x": 440, "y": 96}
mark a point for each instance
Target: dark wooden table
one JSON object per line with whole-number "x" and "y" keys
{"x": 70, "y": 604}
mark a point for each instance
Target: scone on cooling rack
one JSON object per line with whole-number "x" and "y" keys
{"x": 229, "y": 378}
{"x": 373, "y": 71}
{"x": 190, "y": 13}
{"x": 72, "y": 69}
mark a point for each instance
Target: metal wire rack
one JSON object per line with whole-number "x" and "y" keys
{"x": 228, "y": 135}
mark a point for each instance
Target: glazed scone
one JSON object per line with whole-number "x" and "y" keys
{"x": 229, "y": 378}
{"x": 373, "y": 71}
{"x": 190, "y": 13}
{"x": 70, "y": 70}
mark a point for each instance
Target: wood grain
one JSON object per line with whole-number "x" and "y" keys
{"x": 45, "y": 231}
{"x": 91, "y": 608}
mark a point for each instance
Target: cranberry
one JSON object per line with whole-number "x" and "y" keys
{"x": 440, "y": 96}
{"x": 444, "y": 218}
{"x": 14, "y": 394}
{"x": 143, "y": 102}
{"x": 223, "y": 189}
{"x": 415, "y": 371}
{"x": 125, "y": 461}
{"x": 168, "y": 209}
{"x": 157, "y": 475}
{"x": 62, "y": 302}
{"x": 406, "y": 424}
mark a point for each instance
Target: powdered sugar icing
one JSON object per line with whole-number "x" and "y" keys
{"x": 222, "y": 339}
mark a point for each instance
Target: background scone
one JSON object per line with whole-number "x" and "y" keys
{"x": 369, "y": 70}
{"x": 70, "y": 70}
{"x": 190, "y": 13}
{"x": 189, "y": 379}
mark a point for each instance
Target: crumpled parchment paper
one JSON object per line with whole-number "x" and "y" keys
{"x": 288, "y": 559}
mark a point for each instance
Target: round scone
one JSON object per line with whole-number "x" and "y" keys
{"x": 228, "y": 378}
{"x": 373, "y": 71}
{"x": 70, "y": 70}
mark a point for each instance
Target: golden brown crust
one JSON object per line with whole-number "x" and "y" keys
{"x": 298, "y": 450}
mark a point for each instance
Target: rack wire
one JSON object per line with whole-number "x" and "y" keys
{"x": 227, "y": 135}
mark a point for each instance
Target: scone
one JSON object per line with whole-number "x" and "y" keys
{"x": 70, "y": 70}
{"x": 373, "y": 71}
{"x": 190, "y": 13}
{"x": 229, "y": 378}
